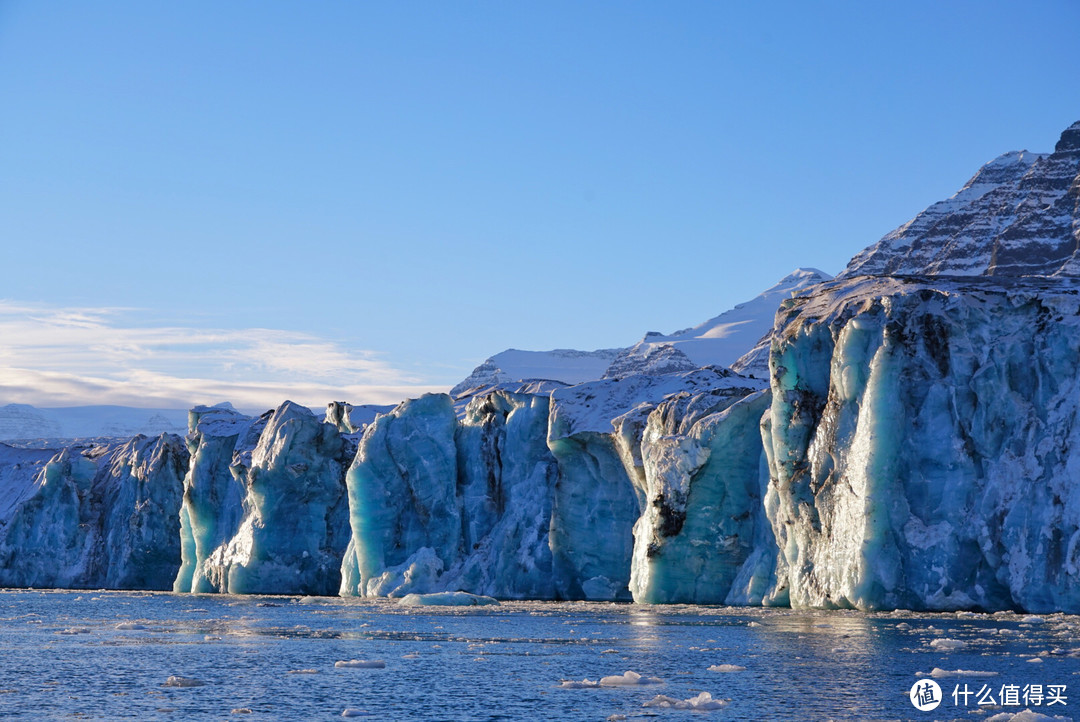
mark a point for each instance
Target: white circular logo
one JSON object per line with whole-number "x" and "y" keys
{"x": 925, "y": 695}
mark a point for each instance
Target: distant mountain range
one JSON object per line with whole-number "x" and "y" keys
{"x": 23, "y": 422}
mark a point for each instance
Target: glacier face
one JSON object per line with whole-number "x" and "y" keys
{"x": 439, "y": 505}
{"x": 99, "y": 517}
{"x": 922, "y": 445}
{"x": 265, "y": 509}
{"x": 703, "y": 517}
{"x": 596, "y": 432}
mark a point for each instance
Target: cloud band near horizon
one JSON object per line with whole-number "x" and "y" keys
{"x": 53, "y": 356}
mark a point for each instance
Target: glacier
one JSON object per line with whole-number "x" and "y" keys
{"x": 902, "y": 436}
{"x": 265, "y": 509}
{"x": 922, "y": 444}
{"x": 103, "y": 516}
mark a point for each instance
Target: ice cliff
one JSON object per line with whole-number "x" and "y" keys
{"x": 97, "y": 517}
{"x": 264, "y": 506}
{"x": 924, "y": 444}
{"x": 909, "y": 438}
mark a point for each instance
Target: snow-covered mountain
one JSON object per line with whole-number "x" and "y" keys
{"x": 720, "y": 341}
{"x": 22, "y": 421}
{"x": 724, "y": 339}
{"x": 1018, "y": 215}
{"x": 563, "y": 365}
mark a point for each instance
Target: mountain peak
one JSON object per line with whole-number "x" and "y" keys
{"x": 1017, "y": 216}
{"x": 1070, "y": 139}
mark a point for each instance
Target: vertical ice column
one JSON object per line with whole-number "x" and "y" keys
{"x": 404, "y": 514}
{"x": 703, "y": 502}
{"x": 213, "y": 496}
{"x": 49, "y": 538}
{"x": 295, "y": 525}
{"x": 506, "y": 477}
{"x": 141, "y": 489}
{"x": 593, "y": 514}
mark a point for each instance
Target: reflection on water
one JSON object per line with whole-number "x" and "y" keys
{"x": 105, "y": 655}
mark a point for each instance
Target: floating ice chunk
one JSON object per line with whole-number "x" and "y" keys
{"x": 177, "y": 681}
{"x": 446, "y": 599}
{"x": 410, "y": 656}
{"x": 1036, "y": 660}
{"x": 365, "y": 663}
{"x": 615, "y": 717}
{"x": 726, "y": 668}
{"x": 211, "y": 638}
{"x": 130, "y": 626}
{"x": 1024, "y": 716}
{"x": 703, "y": 701}
{"x": 938, "y": 673}
{"x": 240, "y": 710}
{"x": 946, "y": 644}
{"x": 74, "y": 630}
{"x": 628, "y": 679}
{"x": 302, "y": 671}
{"x": 1031, "y": 619}
{"x": 353, "y": 712}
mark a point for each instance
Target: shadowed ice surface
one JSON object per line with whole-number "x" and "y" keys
{"x": 111, "y": 655}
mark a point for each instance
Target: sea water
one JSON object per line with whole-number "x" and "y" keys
{"x": 115, "y": 655}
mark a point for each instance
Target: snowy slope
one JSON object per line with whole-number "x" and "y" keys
{"x": 722, "y": 340}
{"x": 565, "y": 365}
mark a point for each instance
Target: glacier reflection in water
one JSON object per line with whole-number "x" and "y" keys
{"x": 110, "y": 655}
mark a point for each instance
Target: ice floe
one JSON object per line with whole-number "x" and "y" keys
{"x": 627, "y": 679}
{"x": 946, "y": 645}
{"x": 703, "y": 701}
{"x": 177, "y": 681}
{"x": 447, "y": 599}
{"x": 1024, "y": 716}
{"x": 938, "y": 673}
{"x": 727, "y": 668}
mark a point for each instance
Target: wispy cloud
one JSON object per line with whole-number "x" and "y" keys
{"x": 52, "y": 356}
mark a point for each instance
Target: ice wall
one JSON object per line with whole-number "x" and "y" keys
{"x": 99, "y": 517}
{"x": 703, "y": 517}
{"x": 923, "y": 445}
{"x": 272, "y": 519}
{"x": 440, "y": 504}
{"x": 596, "y": 433}
{"x": 213, "y": 492}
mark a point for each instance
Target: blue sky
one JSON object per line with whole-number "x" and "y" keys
{"x": 253, "y": 200}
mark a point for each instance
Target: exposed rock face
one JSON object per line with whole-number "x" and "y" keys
{"x": 1019, "y": 215}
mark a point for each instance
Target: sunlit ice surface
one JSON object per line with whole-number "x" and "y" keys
{"x": 110, "y": 655}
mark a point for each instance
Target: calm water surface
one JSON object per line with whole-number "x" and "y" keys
{"x": 109, "y": 655}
